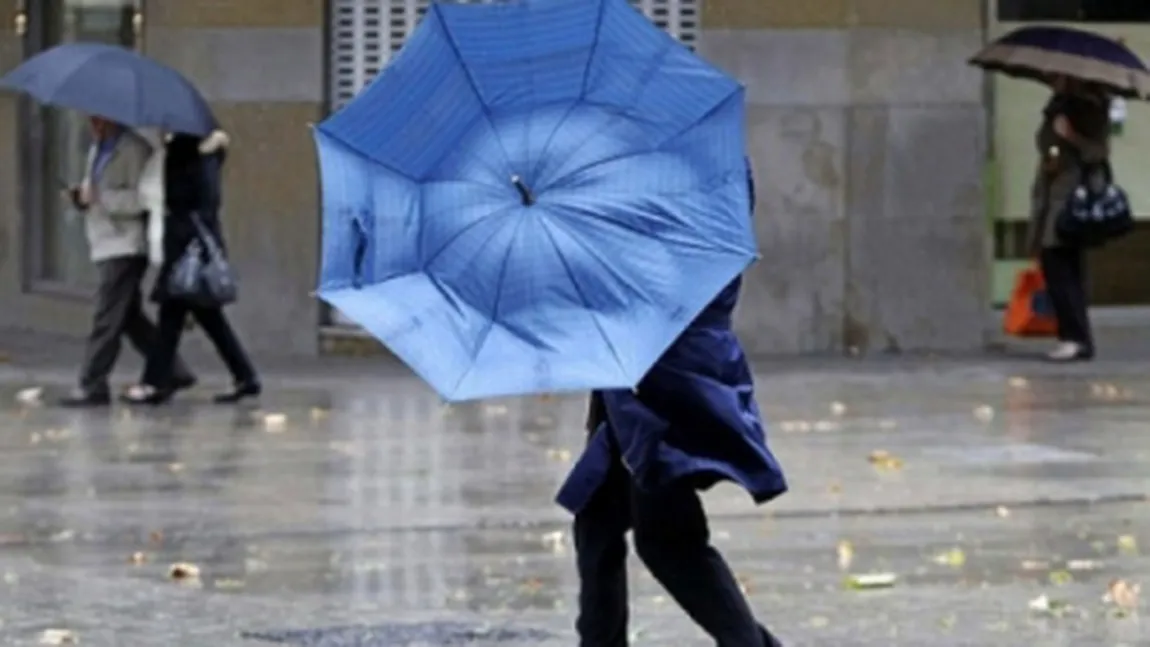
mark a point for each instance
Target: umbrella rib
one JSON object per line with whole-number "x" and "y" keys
{"x": 471, "y": 81}
{"x": 486, "y": 332}
{"x": 594, "y": 48}
{"x": 582, "y": 296}
{"x": 462, "y": 230}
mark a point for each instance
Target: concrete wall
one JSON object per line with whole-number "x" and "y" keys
{"x": 260, "y": 63}
{"x": 867, "y": 131}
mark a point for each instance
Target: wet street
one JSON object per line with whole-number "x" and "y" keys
{"x": 948, "y": 504}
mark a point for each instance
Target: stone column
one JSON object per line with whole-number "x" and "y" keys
{"x": 867, "y": 131}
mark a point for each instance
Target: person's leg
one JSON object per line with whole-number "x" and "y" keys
{"x": 601, "y": 558}
{"x": 227, "y": 344}
{"x": 673, "y": 540}
{"x": 157, "y": 384}
{"x": 144, "y": 337}
{"x": 1062, "y": 270}
{"x": 119, "y": 285}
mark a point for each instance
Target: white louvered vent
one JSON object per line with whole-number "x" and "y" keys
{"x": 365, "y": 33}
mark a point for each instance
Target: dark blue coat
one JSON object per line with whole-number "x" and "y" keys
{"x": 693, "y": 417}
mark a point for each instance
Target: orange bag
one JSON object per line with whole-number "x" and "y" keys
{"x": 1030, "y": 313}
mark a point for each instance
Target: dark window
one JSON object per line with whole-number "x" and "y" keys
{"x": 1075, "y": 10}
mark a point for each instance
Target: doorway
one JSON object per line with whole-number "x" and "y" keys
{"x": 54, "y": 143}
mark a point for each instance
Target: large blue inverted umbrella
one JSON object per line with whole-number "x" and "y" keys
{"x": 535, "y": 196}
{"x": 115, "y": 83}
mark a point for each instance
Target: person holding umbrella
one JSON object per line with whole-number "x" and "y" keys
{"x": 122, "y": 193}
{"x": 1085, "y": 71}
{"x": 123, "y": 176}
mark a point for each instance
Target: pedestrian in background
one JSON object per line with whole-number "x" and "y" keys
{"x": 1073, "y": 137}
{"x": 192, "y": 194}
{"x": 122, "y": 179}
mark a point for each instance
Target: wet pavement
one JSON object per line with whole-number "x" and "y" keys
{"x": 353, "y": 508}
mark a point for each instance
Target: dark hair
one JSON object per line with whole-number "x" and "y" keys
{"x": 184, "y": 174}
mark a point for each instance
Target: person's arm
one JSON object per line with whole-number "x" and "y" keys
{"x": 126, "y": 202}
{"x": 1085, "y": 125}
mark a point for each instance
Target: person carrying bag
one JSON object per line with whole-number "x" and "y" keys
{"x": 196, "y": 278}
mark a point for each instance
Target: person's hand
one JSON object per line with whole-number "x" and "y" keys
{"x": 1062, "y": 127}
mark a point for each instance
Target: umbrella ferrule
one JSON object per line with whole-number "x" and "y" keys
{"x": 524, "y": 191}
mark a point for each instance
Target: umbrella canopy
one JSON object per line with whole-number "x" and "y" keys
{"x": 534, "y": 197}
{"x": 1037, "y": 53}
{"x": 115, "y": 83}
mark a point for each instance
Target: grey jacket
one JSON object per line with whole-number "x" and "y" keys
{"x": 116, "y": 222}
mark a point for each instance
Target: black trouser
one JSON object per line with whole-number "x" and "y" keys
{"x": 119, "y": 312}
{"x": 1064, "y": 269}
{"x": 158, "y": 373}
{"x": 672, "y": 539}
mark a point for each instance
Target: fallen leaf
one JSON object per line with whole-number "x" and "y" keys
{"x": 228, "y": 584}
{"x": 59, "y": 637}
{"x": 884, "y": 460}
{"x": 1084, "y": 565}
{"x": 184, "y": 571}
{"x": 1002, "y": 511}
{"x": 1128, "y": 544}
{"x": 532, "y": 585}
{"x": 838, "y": 409}
{"x": 1034, "y": 565}
{"x": 819, "y": 622}
{"x": 30, "y": 397}
{"x": 175, "y": 467}
{"x": 1123, "y": 595}
{"x": 559, "y": 455}
{"x": 494, "y": 410}
{"x": 63, "y": 535}
{"x": 1060, "y": 578}
{"x": 871, "y": 581}
{"x": 318, "y": 414}
{"x": 954, "y": 558}
{"x": 826, "y": 425}
{"x": 1018, "y": 382}
{"x": 984, "y": 413}
{"x": 835, "y": 488}
{"x": 156, "y": 537}
{"x": 139, "y": 558}
{"x": 555, "y": 541}
{"x": 275, "y": 423}
{"x": 846, "y": 553}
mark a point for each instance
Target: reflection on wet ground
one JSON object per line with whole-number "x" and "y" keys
{"x": 1003, "y": 506}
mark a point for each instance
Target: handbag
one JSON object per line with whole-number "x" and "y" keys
{"x": 1030, "y": 312}
{"x": 1097, "y": 212}
{"x": 202, "y": 275}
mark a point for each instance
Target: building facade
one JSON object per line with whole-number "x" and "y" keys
{"x": 868, "y": 131}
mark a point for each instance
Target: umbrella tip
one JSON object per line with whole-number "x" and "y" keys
{"x": 524, "y": 191}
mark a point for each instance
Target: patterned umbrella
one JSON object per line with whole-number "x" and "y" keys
{"x": 1037, "y": 53}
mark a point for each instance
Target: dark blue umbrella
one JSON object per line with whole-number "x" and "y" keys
{"x": 115, "y": 83}
{"x": 1040, "y": 52}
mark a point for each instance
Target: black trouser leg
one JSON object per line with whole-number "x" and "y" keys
{"x": 145, "y": 338}
{"x": 117, "y": 298}
{"x": 227, "y": 344}
{"x": 673, "y": 540}
{"x": 1065, "y": 274}
{"x": 158, "y": 373}
{"x": 601, "y": 549}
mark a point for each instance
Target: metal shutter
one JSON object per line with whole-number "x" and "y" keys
{"x": 365, "y": 33}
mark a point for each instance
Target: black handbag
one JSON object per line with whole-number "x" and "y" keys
{"x": 202, "y": 275}
{"x": 1097, "y": 212}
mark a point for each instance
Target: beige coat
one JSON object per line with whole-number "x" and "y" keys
{"x": 117, "y": 223}
{"x": 1060, "y": 164}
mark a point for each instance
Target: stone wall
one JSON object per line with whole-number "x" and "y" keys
{"x": 867, "y": 132}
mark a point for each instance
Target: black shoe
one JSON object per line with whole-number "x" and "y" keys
{"x": 184, "y": 383}
{"x": 242, "y": 391}
{"x": 86, "y": 400}
{"x": 144, "y": 395}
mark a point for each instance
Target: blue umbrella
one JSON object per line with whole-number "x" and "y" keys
{"x": 534, "y": 197}
{"x": 1040, "y": 52}
{"x": 114, "y": 83}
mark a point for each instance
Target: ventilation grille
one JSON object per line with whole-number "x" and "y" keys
{"x": 365, "y": 33}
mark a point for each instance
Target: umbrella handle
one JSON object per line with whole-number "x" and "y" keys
{"x": 524, "y": 191}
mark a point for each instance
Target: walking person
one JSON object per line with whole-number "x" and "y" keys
{"x": 192, "y": 197}
{"x": 1073, "y": 137}
{"x": 122, "y": 179}
{"x": 691, "y": 423}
